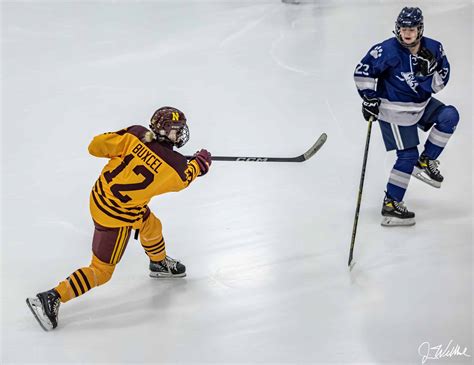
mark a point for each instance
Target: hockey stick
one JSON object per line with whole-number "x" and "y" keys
{"x": 359, "y": 196}
{"x": 305, "y": 156}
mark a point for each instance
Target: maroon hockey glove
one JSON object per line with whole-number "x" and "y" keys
{"x": 203, "y": 158}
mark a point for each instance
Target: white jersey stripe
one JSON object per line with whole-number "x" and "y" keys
{"x": 401, "y": 113}
{"x": 365, "y": 83}
{"x": 437, "y": 82}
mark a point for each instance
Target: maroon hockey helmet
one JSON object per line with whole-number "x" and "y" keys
{"x": 169, "y": 124}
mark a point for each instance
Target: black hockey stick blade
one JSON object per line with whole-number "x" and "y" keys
{"x": 305, "y": 156}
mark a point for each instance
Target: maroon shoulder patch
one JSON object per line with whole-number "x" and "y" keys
{"x": 137, "y": 130}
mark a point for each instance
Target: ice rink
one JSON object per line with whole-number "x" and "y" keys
{"x": 265, "y": 244}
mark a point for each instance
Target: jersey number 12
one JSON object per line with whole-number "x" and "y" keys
{"x": 138, "y": 170}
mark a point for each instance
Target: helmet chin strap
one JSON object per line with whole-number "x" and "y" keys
{"x": 412, "y": 45}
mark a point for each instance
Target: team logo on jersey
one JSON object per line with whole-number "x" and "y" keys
{"x": 376, "y": 52}
{"x": 409, "y": 78}
{"x": 175, "y": 116}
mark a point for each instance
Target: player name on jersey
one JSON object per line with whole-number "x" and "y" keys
{"x": 147, "y": 156}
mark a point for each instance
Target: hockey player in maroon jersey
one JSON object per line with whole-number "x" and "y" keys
{"x": 142, "y": 164}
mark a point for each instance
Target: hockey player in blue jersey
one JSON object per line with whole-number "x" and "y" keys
{"x": 396, "y": 80}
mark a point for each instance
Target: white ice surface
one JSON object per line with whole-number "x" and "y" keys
{"x": 265, "y": 245}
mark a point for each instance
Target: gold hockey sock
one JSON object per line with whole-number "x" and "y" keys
{"x": 84, "y": 279}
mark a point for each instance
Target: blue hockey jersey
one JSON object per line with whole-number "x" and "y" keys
{"x": 388, "y": 72}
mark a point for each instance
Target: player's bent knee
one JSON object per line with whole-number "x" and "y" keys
{"x": 103, "y": 271}
{"x": 151, "y": 232}
{"x": 449, "y": 118}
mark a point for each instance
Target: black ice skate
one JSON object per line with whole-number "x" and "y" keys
{"x": 427, "y": 171}
{"x": 45, "y": 307}
{"x": 396, "y": 214}
{"x": 167, "y": 268}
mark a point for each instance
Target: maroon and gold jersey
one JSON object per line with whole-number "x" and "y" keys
{"x": 135, "y": 173}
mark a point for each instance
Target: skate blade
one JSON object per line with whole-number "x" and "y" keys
{"x": 394, "y": 222}
{"x": 161, "y": 275}
{"x": 36, "y": 308}
{"x": 420, "y": 175}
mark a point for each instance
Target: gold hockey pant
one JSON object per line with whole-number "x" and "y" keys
{"x": 108, "y": 246}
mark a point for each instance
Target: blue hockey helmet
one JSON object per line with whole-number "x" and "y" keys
{"x": 409, "y": 18}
